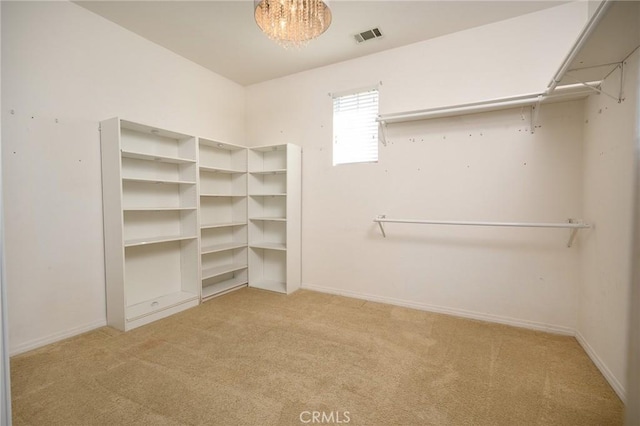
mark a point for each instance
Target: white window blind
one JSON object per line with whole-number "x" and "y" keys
{"x": 355, "y": 129}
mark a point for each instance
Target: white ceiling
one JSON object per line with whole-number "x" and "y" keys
{"x": 223, "y": 36}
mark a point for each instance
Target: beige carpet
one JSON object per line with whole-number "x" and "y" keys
{"x": 258, "y": 358}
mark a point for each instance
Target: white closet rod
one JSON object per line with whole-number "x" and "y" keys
{"x": 573, "y": 226}
{"x": 512, "y": 224}
{"x": 488, "y": 105}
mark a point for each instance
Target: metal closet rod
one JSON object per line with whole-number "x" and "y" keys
{"x": 573, "y": 226}
{"x": 489, "y": 105}
{"x": 513, "y": 224}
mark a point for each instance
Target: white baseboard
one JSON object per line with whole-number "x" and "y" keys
{"x": 442, "y": 310}
{"x": 52, "y": 338}
{"x": 613, "y": 381}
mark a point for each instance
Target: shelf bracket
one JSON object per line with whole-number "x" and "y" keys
{"x": 382, "y": 126}
{"x": 621, "y": 66}
{"x": 535, "y": 111}
{"x": 596, "y": 89}
{"x": 572, "y": 234}
{"x": 384, "y": 235}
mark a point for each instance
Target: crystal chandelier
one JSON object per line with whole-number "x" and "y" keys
{"x": 292, "y": 23}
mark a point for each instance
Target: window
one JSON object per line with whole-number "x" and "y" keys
{"x": 355, "y": 129}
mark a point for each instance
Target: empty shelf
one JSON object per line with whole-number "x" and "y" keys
{"x": 221, "y": 225}
{"x": 158, "y": 209}
{"x": 161, "y": 303}
{"x": 156, "y": 240}
{"x": 221, "y": 170}
{"x": 269, "y": 246}
{"x": 154, "y": 157}
{"x": 222, "y": 287}
{"x": 221, "y": 247}
{"x": 159, "y": 181}
{"x": 223, "y": 195}
{"x": 269, "y": 172}
{"x": 214, "y": 272}
{"x": 272, "y": 219}
{"x": 278, "y": 286}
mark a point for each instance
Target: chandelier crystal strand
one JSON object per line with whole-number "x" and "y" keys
{"x": 292, "y": 23}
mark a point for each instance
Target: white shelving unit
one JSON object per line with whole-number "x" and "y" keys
{"x": 274, "y": 206}
{"x": 150, "y": 200}
{"x": 187, "y": 219}
{"x": 223, "y": 216}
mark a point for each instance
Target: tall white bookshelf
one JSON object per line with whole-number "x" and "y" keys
{"x": 150, "y": 205}
{"x": 274, "y": 208}
{"x": 223, "y": 213}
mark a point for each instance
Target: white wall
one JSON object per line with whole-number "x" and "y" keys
{"x": 632, "y": 414}
{"x": 633, "y": 353}
{"x": 5, "y": 380}
{"x": 483, "y": 167}
{"x": 64, "y": 70}
{"x": 608, "y": 199}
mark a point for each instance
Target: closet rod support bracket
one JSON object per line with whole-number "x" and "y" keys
{"x": 384, "y": 234}
{"x": 383, "y": 132}
{"x": 622, "y": 75}
{"x": 572, "y": 233}
{"x": 598, "y": 88}
{"x": 535, "y": 111}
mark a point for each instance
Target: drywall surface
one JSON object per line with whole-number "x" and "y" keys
{"x": 608, "y": 199}
{"x": 633, "y": 361}
{"x": 5, "y": 379}
{"x": 485, "y": 167}
{"x": 64, "y": 70}
{"x": 633, "y": 357}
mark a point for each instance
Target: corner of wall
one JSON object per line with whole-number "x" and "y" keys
{"x": 609, "y": 173}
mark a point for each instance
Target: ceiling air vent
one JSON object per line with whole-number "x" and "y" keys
{"x": 368, "y": 35}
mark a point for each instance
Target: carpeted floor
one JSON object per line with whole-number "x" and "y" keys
{"x": 258, "y": 358}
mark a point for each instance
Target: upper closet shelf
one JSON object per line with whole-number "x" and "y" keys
{"x": 608, "y": 39}
{"x": 586, "y": 65}
{"x": 533, "y": 100}
{"x": 571, "y": 91}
